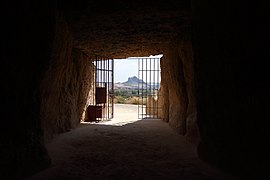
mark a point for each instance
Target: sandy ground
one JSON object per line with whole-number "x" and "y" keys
{"x": 126, "y": 149}
{"x": 123, "y": 114}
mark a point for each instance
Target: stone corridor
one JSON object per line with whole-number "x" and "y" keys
{"x": 146, "y": 149}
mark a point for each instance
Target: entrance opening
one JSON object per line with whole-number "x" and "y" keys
{"x": 126, "y": 90}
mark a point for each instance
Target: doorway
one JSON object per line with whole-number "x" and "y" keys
{"x": 121, "y": 88}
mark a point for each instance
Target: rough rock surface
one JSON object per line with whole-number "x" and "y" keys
{"x": 67, "y": 84}
{"x": 176, "y": 97}
{"x": 232, "y": 93}
{"x": 25, "y": 53}
{"x": 178, "y": 88}
{"x": 185, "y": 52}
{"x": 119, "y": 29}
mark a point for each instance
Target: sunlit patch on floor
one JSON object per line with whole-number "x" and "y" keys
{"x": 124, "y": 114}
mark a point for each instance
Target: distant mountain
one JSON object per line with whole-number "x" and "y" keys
{"x": 133, "y": 80}
{"x": 134, "y": 83}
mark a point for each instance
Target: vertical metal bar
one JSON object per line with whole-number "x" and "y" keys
{"x": 139, "y": 72}
{"x": 140, "y": 60}
{"x": 110, "y": 90}
{"x": 112, "y": 87}
{"x": 153, "y": 89}
{"x": 142, "y": 89}
{"x": 154, "y": 83}
{"x": 108, "y": 86}
{"x": 103, "y": 84}
{"x": 138, "y": 91}
{"x": 150, "y": 81}
{"x": 158, "y": 89}
{"x": 144, "y": 92}
{"x": 101, "y": 71}
{"x": 111, "y": 95}
{"x": 96, "y": 71}
{"x": 154, "y": 80}
{"x": 99, "y": 74}
{"x": 107, "y": 89}
{"x": 98, "y": 66}
{"x": 154, "y": 71}
{"x": 97, "y": 80}
{"x": 146, "y": 81}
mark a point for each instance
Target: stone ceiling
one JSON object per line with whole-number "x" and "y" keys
{"x": 122, "y": 28}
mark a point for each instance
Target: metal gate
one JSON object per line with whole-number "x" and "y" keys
{"x": 102, "y": 107}
{"x": 148, "y": 88}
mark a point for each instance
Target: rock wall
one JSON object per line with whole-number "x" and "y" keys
{"x": 67, "y": 84}
{"x": 177, "y": 96}
{"x": 28, "y": 31}
{"x": 178, "y": 88}
{"x": 185, "y": 51}
{"x": 232, "y": 85}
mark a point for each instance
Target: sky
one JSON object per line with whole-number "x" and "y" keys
{"x": 125, "y": 68}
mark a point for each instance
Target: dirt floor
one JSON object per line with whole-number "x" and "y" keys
{"x": 146, "y": 149}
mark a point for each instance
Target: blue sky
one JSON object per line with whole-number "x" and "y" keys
{"x": 124, "y": 68}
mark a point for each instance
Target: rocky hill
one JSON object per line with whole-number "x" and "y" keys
{"x": 133, "y": 83}
{"x": 133, "y": 80}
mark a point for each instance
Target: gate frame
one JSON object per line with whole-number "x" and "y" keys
{"x": 103, "y": 100}
{"x": 149, "y": 69}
